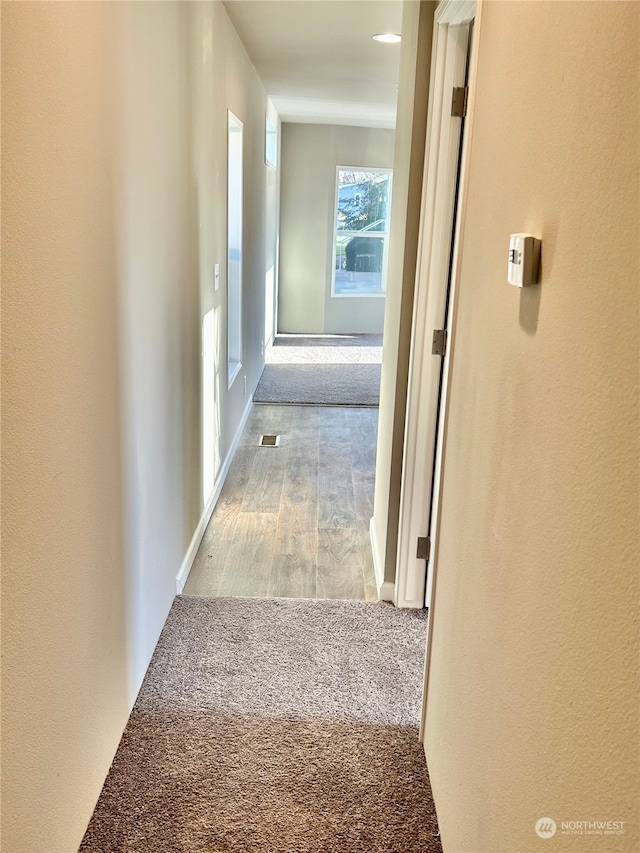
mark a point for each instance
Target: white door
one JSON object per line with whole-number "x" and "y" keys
{"x": 443, "y": 161}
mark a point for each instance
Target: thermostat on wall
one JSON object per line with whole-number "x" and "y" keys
{"x": 524, "y": 260}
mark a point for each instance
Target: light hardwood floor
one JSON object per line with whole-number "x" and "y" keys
{"x": 293, "y": 520}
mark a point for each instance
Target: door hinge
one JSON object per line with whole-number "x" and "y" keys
{"x": 439, "y": 346}
{"x": 459, "y": 101}
{"x": 424, "y": 548}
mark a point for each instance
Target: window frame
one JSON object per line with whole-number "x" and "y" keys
{"x": 368, "y": 235}
{"x": 234, "y": 288}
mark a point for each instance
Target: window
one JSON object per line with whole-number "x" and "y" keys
{"x": 270, "y": 143}
{"x": 234, "y": 248}
{"x": 363, "y": 202}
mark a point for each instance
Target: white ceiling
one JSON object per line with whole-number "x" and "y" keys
{"x": 317, "y": 58}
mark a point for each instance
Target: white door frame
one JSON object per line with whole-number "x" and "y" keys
{"x": 448, "y": 67}
{"x": 434, "y": 532}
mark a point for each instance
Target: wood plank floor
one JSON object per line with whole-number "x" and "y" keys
{"x": 293, "y": 521}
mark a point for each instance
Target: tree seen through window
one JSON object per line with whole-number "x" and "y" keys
{"x": 362, "y": 226}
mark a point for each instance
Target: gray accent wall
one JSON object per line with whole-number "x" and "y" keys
{"x": 311, "y": 154}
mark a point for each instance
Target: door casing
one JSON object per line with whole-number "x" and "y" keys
{"x": 423, "y": 445}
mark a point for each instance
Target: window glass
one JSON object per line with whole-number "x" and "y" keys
{"x": 362, "y": 230}
{"x": 234, "y": 248}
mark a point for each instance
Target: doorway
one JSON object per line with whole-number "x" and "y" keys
{"x": 434, "y": 304}
{"x": 362, "y": 314}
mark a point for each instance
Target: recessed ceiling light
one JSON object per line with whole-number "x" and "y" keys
{"x": 387, "y": 38}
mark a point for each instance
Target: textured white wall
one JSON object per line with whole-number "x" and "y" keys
{"x": 155, "y": 223}
{"x": 224, "y": 78}
{"x": 532, "y": 695}
{"x": 310, "y": 155}
{"x": 64, "y": 658}
{"x": 114, "y": 171}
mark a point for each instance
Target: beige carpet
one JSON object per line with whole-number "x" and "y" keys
{"x": 287, "y": 726}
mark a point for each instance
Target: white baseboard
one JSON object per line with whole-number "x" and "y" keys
{"x": 377, "y": 563}
{"x": 196, "y": 539}
{"x": 269, "y": 343}
{"x": 267, "y": 347}
{"x": 386, "y": 591}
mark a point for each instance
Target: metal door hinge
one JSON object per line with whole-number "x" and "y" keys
{"x": 459, "y": 101}
{"x": 424, "y": 547}
{"x": 439, "y": 346}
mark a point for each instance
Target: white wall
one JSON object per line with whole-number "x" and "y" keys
{"x": 114, "y": 192}
{"x": 65, "y": 663}
{"x": 310, "y": 155}
{"x": 223, "y": 77}
{"x": 155, "y": 225}
{"x": 533, "y": 686}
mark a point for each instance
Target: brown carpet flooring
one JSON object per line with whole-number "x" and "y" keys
{"x": 283, "y": 726}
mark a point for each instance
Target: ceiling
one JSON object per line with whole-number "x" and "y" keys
{"x": 318, "y": 61}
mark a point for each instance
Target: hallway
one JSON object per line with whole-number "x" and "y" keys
{"x": 119, "y": 420}
{"x": 293, "y": 520}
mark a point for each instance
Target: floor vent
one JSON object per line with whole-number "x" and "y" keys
{"x": 269, "y": 441}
